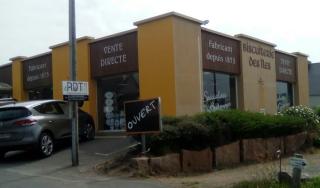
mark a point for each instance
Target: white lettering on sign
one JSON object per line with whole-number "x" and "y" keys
{"x": 40, "y": 76}
{"x": 35, "y": 72}
{"x": 113, "y": 56}
{"x": 113, "y": 48}
{"x": 219, "y": 46}
{"x": 142, "y": 114}
{"x": 220, "y": 59}
{"x": 32, "y": 68}
{"x": 285, "y": 67}
{"x": 75, "y": 88}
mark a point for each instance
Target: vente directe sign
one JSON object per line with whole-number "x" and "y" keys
{"x": 143, "y": 116}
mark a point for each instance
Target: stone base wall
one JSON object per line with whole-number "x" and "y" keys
{"x": 249, "y": 150}
{"x": 169, "y": 164}
{"x": 197, "y": 161}
{"x": 227, "y": 155}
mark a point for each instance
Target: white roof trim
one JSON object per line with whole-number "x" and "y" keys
{"x": 35, "y": 56}
{"x": 66, "y": 43}
{"x": 255, "y": 39}
{"x": 300, "y": 54}
{"x": 167, "y": 15}
{"x": 114, "y": 35}
{"x": 219, "y": 33}
{"x": 17, "y": 57}
{"x": 286, "y": 53}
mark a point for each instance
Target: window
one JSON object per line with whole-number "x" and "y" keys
{"x": 49, "y": 108}
{"x": 114, "y": 92}
{"x": 219, "y": 91}
{"x": 7, "y": 114}
{"x": 284, "y": 95}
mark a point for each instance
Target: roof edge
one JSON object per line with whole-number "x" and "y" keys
{"x": 137, "y": 23}
{"x": 67, "y": 42}
{"x": 255, "y": 39}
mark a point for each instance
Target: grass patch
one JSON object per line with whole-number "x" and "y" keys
{"x": 312, "y": 183}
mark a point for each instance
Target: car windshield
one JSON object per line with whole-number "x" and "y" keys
{"x": 7, "y": 114}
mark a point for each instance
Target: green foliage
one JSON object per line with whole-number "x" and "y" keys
{"x": 317, "y": 110}
{"x": 312, "y": 183}
{"x": 213, "y": 129}
{"x": 312, "y": 119}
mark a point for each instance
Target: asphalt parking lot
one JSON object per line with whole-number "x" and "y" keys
{"x": 24, "y": 169}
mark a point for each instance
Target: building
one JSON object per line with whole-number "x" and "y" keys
{"x": 171, "y": 56}
{"x": 314, "y": 77}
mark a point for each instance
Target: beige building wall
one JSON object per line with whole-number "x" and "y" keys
{"x": 169, "y": 62}
{"x": 188, "y": 66}
{"x": 257, "y": 81}
{"x": 301, "y": 91}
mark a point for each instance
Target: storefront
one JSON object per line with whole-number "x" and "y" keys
{"x": 286, "y": 79}
{"x": 192, "y": 69}
{"x": 221, "y": 68}
{"x": 114, "y": 65}
{"x": 6, "y": 81}
{"x": 37, "y": 77}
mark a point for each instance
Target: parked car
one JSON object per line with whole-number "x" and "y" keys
{"x": 4, "y": 101}
{"x": 37, "y": 125}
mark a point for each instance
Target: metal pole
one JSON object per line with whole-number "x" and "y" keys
{"x": 143, "y": 142}
{"x": 73, "y": 107}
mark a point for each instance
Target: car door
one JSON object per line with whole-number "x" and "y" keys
{"x": 53, "y": 118}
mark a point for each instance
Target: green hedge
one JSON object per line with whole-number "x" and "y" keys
{"x": 221, "y": 127}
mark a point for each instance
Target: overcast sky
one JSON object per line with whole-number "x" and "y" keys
{"x": 29, "y": 27}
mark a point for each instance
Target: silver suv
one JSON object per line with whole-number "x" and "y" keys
{"x": 38, "y": 124}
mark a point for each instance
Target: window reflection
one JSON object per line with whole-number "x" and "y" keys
{"x": 114, "y": 92}
{"x": 219, "y": 91}
{"x": 284, "y": 95}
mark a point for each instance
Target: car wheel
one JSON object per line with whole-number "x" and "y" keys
{"x": 45, "y": 144}
{"x": 89, "y": 132}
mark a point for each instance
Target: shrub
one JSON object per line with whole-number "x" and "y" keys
{"x": 317, "y": 110}
{"x": 193, "y": 136}
{"x": 165, "y": 142}
{"x": 219, "y": 128}
{"x": 304, "y": 112}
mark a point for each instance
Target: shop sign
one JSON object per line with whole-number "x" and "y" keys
{"x": 285, "y": 67}
{"x": 220, "y": 53}
{"x": 37, "y": 72}
{"x": 259, "y": 56}
{"x": 114, "y": 55}
{"x": 6, "y": 74}
{"x": 75, "y": 90}
{"x": 143, "y": 116}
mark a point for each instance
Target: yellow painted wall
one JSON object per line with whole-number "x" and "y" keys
{"x": 188, "y": 66}
{"x": 17, "y": 80}
{"x": 302, "y": 84}
{"x": 156, "y": 63}
{"x": 258, "y": 85}
{"x": 60, "y": 72}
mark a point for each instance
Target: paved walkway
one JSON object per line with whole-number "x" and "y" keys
{"x": 228, "y": 177}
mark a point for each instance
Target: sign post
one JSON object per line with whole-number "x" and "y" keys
{"x": 143, "y": 117}
{"x": 73, "y": 107}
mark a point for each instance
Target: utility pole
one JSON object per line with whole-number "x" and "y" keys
{"x": 73, "y": 107}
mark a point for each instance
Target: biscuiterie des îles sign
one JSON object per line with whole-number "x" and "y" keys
{"x": 143, "y": 116}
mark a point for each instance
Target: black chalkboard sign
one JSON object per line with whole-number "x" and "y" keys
{"x": 143, "y": 116}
